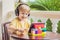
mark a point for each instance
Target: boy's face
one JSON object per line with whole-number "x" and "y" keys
{"x": 24, "y": 11}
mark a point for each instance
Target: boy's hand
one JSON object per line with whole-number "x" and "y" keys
{"x": 22, "y": 33}
{"x": 19, "y": 33}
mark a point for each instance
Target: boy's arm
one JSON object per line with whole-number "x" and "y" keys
{"x": 27, "y": 29}
{"x": 11, "y": 29}
{"x": 14, "y": 30}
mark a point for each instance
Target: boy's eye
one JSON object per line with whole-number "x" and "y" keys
{"x": 26, "y": 14}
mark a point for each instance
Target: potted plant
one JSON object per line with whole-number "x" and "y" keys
{"x": 49, "y": 25}
{"x": 58, "y": 28}
{"x": 38, "y": 20}
{"x": 31, "y": 20}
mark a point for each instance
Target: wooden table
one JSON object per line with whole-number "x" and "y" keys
{"x": 49, "y": 36}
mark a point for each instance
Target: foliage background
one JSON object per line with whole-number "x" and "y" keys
{"x": 49, "y": 5}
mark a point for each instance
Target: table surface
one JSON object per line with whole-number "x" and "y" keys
{"x": 49, "y": 35}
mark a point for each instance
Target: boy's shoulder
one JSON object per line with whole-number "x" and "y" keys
{"x": 14, "y": 20}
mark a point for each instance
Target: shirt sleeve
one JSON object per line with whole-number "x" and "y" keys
{"x": 13, "y": 24}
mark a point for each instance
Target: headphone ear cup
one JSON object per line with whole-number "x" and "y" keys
{"x": 17, "y": 12}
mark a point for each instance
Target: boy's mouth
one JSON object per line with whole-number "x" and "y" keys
{"x": 22, "y": 17}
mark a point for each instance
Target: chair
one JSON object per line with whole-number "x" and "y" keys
{"x": 5, "y": 35}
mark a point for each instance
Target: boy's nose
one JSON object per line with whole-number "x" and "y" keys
{"x": 25, "y": 15}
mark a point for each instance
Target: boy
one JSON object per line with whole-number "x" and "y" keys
{"x": 20, "y": 25}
